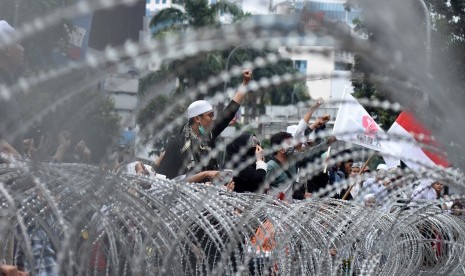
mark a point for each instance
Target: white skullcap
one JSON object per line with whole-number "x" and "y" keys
{"x": 381, "y": 167}
{"x": 291, "y": 129}
{"x": 5, "y": 30}
{"x": 369, "y": 196}
{"x": 198, "y": 107}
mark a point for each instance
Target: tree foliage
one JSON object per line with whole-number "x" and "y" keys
{"x": 448, "y": 20}
{"x": 146, "y": 115}
{"x": 87, "y": 114}
{"x": 150, "y": 112}
{"x": 365, "y": 88}
{"x": 280, "y": 95}
{"x": 196, "y": 14}
{"x": 448, "y": 37}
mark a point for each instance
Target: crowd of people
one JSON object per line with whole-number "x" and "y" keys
{"x": 284, "y": 171}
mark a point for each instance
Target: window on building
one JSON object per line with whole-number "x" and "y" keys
{"x": 121, "y": 110}
{"x": 342, "y": 66}
{"x": 301, "y": 66}
{"x": 157, "y": 1}
{"x": 163, "y": 1}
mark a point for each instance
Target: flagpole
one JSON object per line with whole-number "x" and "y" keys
{"x": 326, "y": 159}
{"x": 335, "y": 122}
{"x": 346, "y": 195}
{"x": 340, "y": 108}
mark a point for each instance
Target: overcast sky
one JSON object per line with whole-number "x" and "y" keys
{"x": 256, "y": 6}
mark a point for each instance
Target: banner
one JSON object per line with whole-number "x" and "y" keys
{"x": 353, "y": 124}
{"x": 407, "y": 127}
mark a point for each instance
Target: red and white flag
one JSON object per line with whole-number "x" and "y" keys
{"x": 412, "y": 149}
{"x": 354, "y": 124}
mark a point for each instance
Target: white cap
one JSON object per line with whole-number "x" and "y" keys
{"x": 5, "y": 30}
{"x": 369, "y": 196}
{"x": 198, "y": 107}
{"x": 291, "y": 129}
{"x": 382, "y": 167}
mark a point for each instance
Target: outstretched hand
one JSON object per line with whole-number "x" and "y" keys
{"x": 64, "y": 139}
{"x": 259, "y": 154}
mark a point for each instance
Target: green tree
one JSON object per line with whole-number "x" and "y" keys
{"x": 448, "y": 55}
{"x": 366, "y": 88}
{"x": 149, "y": 113}
{"x": 448, "y": 20}
{"x": 86, "y": 114}
{"x": 285, "y": 94}
{"x": 196, "y": 14}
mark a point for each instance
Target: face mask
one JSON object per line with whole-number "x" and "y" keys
{"x": 202, "y": 130}
{"x": 289, "y": 151}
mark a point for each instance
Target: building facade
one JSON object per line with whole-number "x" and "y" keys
{"x": 328, "y": 74}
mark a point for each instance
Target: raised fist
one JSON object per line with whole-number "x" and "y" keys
{"x": 325, "y": 118}
{"x": 64, "y": 139}
{"x": 259, "y": 154}
{"x": 83, "y": 151}
{"x": 246, "y": 76}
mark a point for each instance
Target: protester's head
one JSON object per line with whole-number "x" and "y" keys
{"x": 437, "y": 186}
{"x": 200, "y": 114}
{"x": 381, "y": 168}
{"x": 11, "y": 54}
{"x": 381, "y": 171}
{"x": 355, "y": 169}
{"x": 318, "y": 182}
{"x": 283, "y": 141}
{"x": 366, "y": 170}
{"x": 369, "y": 200}
{"x": 457, "y": 208}
{"x": 244, "y": 145}
{"x": 347, "y": 166}
{"x": 125, "y": 154}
